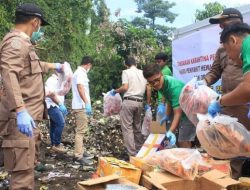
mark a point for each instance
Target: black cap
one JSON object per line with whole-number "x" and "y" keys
{"x": 31, "y": 10}
{"x": 227, "y": 13}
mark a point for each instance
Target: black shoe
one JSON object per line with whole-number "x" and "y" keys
{"x": 83, "y": 161}
{"x": 88, "y": 156}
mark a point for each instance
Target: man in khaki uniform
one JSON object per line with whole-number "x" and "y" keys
{"x": 231, "y": 74}
{"x": 133, "y": 87}
{"x": 22, "y": 95}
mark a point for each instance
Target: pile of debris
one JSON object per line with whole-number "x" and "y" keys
{"x": 102, "y": 137}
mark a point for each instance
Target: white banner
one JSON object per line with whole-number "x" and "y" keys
{"x": 194, "y": 54}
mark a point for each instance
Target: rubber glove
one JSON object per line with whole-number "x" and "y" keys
{"x": 112, "y": 92}
{"x": 147, "y": 107}
{"x": 164, "y": 119}
{"x": 171, "y": 137}
{"x": 63, "y": 109}
{"x": 59, "y": 67}
{"x": 25, "y": 123}
{"x": 201, "y": 82}
{"x": 88, "y": 109}
{"x": 161, "y": 109}
{"x": 214, "y": 108}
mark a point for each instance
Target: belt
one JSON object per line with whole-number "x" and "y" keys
{"x": 133, "y": 99}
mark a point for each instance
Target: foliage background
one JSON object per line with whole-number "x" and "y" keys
{"x": 83, "y": 27}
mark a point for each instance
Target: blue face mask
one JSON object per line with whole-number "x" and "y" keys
{"x": 37, "y": 36}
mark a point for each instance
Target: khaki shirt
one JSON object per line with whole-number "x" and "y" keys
{"x": 21, "y": 80}
{"x": 231, "y": 75}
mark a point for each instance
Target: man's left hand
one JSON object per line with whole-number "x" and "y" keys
{"x": 214, "y": 108}
{"x": 63, "y": 109}
{"x": 59, "y": 67}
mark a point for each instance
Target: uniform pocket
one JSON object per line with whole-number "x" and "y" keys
{"x": 17, "y": 155}
{"x": 35, "y": 64}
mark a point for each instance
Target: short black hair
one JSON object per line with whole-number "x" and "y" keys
{"x": 162, "y": 56}
{"x": 86, "y": 60}
{"x": 130, "y": 61}
{"x": 150, "y": 70}
{"x": 239, "y": 29}
{"x": 21, "y": 18}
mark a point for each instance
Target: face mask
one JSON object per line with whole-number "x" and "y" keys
{"x": 37, "y": 36}
{"x": 88, "y": 70}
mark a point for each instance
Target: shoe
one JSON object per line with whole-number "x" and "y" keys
{"x": 83, "y": 161}
{"x": 88, "y": 156}
{"x": 59, "y": 148}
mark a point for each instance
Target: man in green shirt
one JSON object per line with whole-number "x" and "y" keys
{"x": 160, "y": 59}
{"x": 236, "y": 41}
{"x": 171, "y": 89}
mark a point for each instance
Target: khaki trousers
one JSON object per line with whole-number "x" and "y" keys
{"x": 131, "y": 125}
{"x": 20, "y": 156}
{"x": 81, "y": 124}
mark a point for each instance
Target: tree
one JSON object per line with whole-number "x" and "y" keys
{"x": 211, "y": 9}
{"x": 154, "y": 9}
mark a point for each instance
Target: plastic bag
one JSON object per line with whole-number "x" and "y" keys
{"x": 182, "y": 162}
{"x": 195, "y": 99}
{"x": 65, "y": 80}
{"x": 112, "y": 104}
{"x": 146, "y": 123}
{"x": 223, "y": 136}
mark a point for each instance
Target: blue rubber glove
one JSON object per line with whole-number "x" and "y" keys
{"x": 59, "y": 67}
{"x": 161, "y": 109}
{"x": 171, "y": 137}
{"x": 147, "y": 107}
{"x": 214, "y": 108}
{"x": 201, "y": 82}
{"x": 88, "y": 109}
{"x": 25, "y": 123}
{"x": 164, "y": 119}
{"x": 63, "y": 109}
{"x": 112, "y": 92}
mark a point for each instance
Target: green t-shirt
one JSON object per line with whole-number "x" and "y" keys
{"x": 171, "y": 90}
{"x": 165, "y": 71}
{"x": 245, "y": 53}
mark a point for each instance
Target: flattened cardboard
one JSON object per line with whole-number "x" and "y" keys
{"x": 100, "y": 183}
{"x": 156, "y": 128}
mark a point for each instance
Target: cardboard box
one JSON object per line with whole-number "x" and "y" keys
{"x": 156, "y": 128}
{"x": 109, "y": 165}
{"x": 151, "y": 145}
{"x": 208, "y": 164}
{"x": 102, "y": 182}
{"x": 244, "y": 184}
{"x": 212, "y": 180}
{"x": 140, "y": 163}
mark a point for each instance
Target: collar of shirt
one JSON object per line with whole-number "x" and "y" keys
{"x": 21, "y": 33}
{"x": 80, "y": 67}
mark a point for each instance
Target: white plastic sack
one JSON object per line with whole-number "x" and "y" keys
{"x": 146, "y": 123}
{"x": 182, "y": 162}
{"x": 223, "y": 136}
{"x": 195, "y": 99}
{"x": 65, "y": 80}
{"x": 112, "y": 104}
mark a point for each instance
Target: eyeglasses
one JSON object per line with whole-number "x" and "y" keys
{"x": 155, "y": 81}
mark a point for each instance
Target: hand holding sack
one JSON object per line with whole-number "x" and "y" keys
{"x": 112, "y": 104}
{"x": 65, "y": 76}
{"x": 223, "y": 136}
{"x": 182, "y": 162}
{"x": 196, "y": 99}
